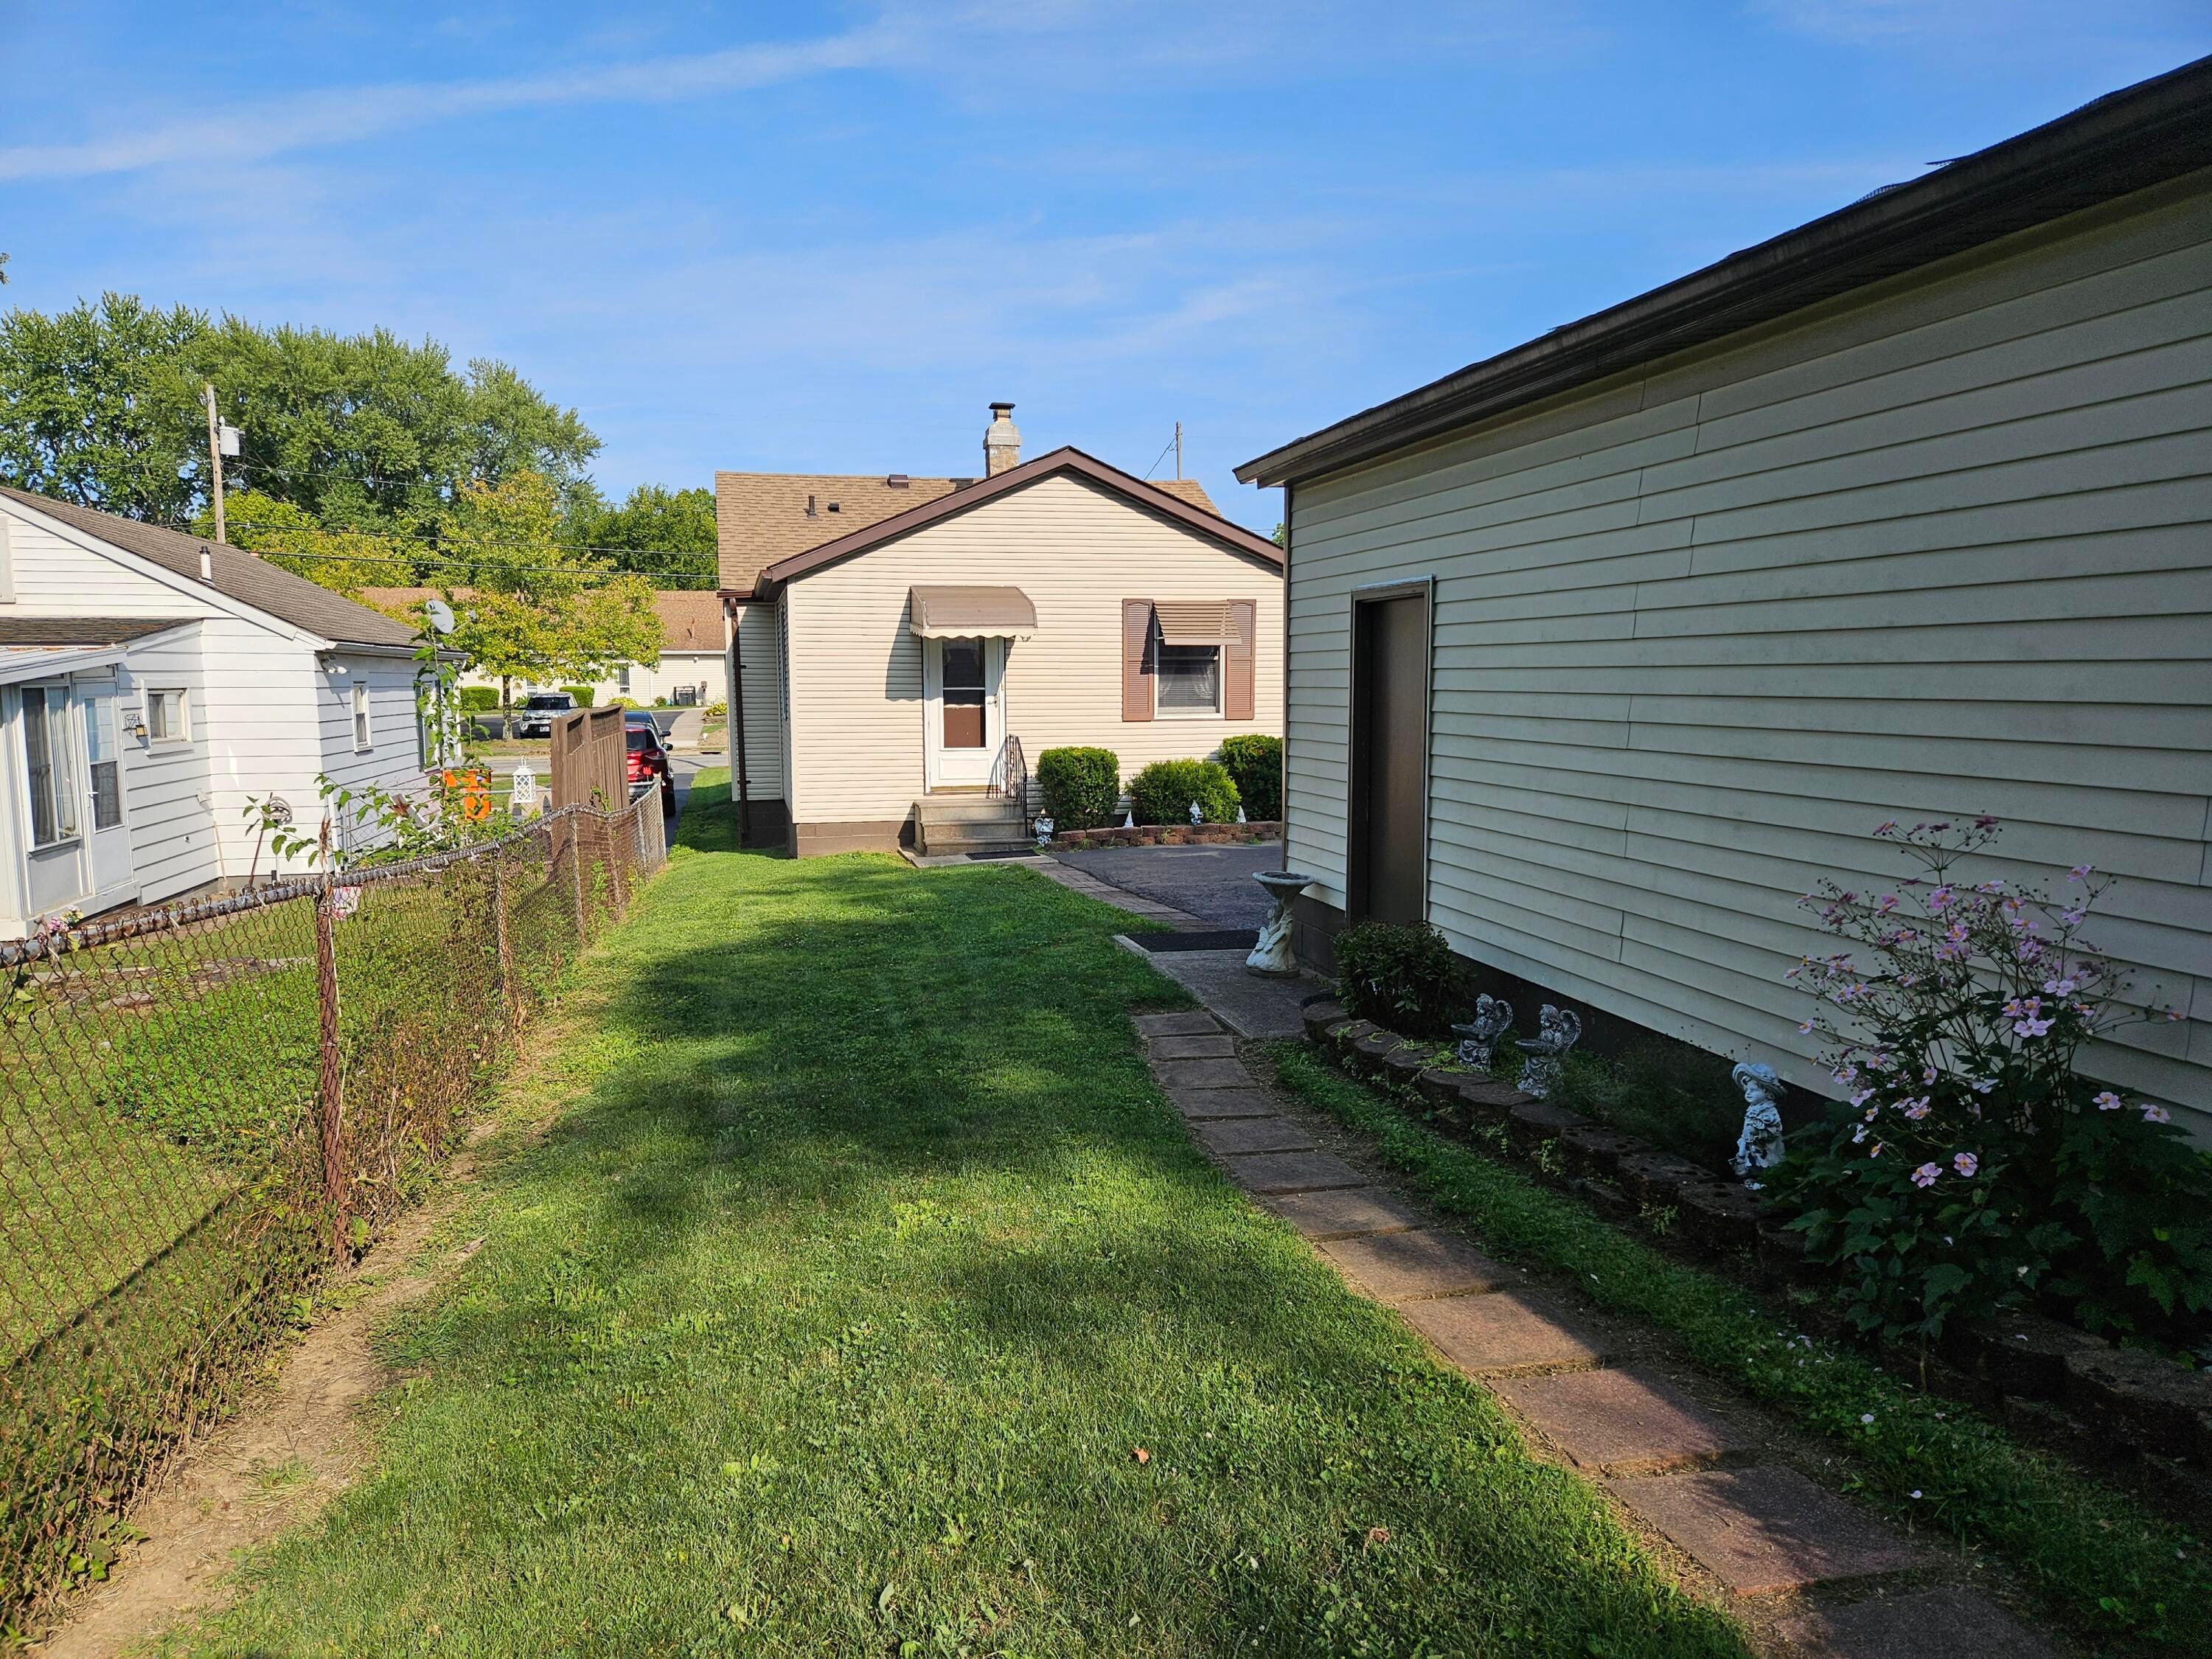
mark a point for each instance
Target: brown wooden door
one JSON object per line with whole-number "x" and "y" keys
{"x": 1389, "y": 771}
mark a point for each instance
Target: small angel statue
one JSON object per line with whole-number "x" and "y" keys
{"x": 1558, "y": 1030}
{"x": 1478, "y": 1037}
{"x": 1760, "y": 1146}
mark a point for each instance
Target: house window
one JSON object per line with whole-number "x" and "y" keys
{"x": 1188, "y": 679}
{"x": 167, "y": 718}
{"x": 46, "y": 765}
{"x": 103, "y": 760}
{"x": 361, "y": 738}
{"x": 622, "y": 679}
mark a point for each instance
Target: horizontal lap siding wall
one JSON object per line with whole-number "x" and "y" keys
{"x": 763, "y": 688}
{"x": 393, "y": 760}
{"x": 1944, "y": 550}
{"x": 1078, "y": 551}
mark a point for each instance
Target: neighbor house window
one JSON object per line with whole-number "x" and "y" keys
{"x": 622, "y": 679}
{"x": 1189, "y": 679}
{"x": 47, "y": 765}
{"x": 167, "y": 718}
{"x": 103, "y": 760}
{"x": 360, "y": 714}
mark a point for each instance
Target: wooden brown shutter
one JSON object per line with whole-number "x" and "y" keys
{"x": 1136, "y": 665}
{"x": 1236, "y": 698}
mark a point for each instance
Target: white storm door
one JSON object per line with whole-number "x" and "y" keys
{"x": 113, "y": 879}
{"x": 962, "y": 715}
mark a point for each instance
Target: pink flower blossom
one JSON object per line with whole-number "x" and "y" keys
{"x": 1965, "y": 1164}
{"x": 2059, "y": 987}
{"x": 1925, "y": 1175}
{"x": 2156, "y": 1115}
{"x": 2109, "y": 1101}
{"x": 2081, "y": 872}
{"x": 1915, "y": 1109}
{"x": 1941, "y": 897}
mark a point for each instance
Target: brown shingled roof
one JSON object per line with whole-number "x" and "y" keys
{"x": 239, "y": 576}
{"x": 761, "y": 518}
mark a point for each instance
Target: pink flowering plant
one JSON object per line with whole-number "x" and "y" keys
{"x": 1969, "y": 1166}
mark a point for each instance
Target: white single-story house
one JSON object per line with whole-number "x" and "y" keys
{"x": 153, "y": 687}
{"x": 1604, "y": 650}
{"x": 694, "y": 669}
{"x": 905, "y": 647}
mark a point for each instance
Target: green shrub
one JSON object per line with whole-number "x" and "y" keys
{"x": 1399, "y": 975}
{"x": 1255, "y": 763}
{"x": 1162, "y": 791}
{"x": 718, "y": 710}
{"x": 1081, "y": 787}
{"x": 584, "y": 696}
{"x": 479, "y": 698}
{"x": 621, "y": 703}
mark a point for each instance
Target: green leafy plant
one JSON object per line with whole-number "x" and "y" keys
{"x": 1081, "y": 787}
{"x": 1399, "y": 975}
{"x": 1163, "y": 792}
{"x": 583, "y": 694}
{"x": 1971, "y": 1165}
{"x": 1255, "y": 763}
{"x": 479, "y": 698}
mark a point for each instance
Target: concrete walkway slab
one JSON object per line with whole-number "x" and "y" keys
{"x": 1354, "y": 1212}
{"x": 1937, "y": 1624}
{"x": 1236, "y": 1137}
{"x": 1765, "y": 1530}
{"x": 1201, "y": 1075}
{"x": 1497, "y": 1335}
{"x": 1621, "y": 1422}
{"x": 1166, "y": 1025}
{"x": 1215, "y": 1045}
{"x": 1202, "y": 1105}
{"x": 1404, "y": 1266}
{"x": 1292, "y": 1172}
{"x": 1249, "y": 1005}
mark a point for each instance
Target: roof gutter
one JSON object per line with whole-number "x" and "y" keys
{"x": 2128, "y": 141}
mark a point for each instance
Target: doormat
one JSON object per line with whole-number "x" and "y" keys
{"x": 1231, "y": 939}
{"x": 1018, "y": 853}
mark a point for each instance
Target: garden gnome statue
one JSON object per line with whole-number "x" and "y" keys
{"x": 1271, "y": 957}
{"x": 1241, "y": 818}
{"x": 1759, "y": 1145}
{"x": 1197, "y": 813}
{"x": 523, "y": 802}
{"x": 1558, "y": 1030}
{"x": 1130, "y": 819}
{"x": 1044, "y": 828}
{"x": 1478, "y": 1037}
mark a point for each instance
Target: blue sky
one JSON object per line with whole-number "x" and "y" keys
{"x": 822, "y": 238}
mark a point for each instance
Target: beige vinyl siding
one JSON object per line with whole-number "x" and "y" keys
{"x": 1941, "y": 549}
{"x": 1078, "y": 551}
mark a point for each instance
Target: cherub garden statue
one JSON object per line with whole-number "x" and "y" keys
{"x": 1558, "y": 1030}
{"x": 1760, "y": 1146}
{"x": 1478, "y": 1037}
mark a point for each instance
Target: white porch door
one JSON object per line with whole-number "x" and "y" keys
{"x": 964, "y": 723}
{"x": 113, "y": 879}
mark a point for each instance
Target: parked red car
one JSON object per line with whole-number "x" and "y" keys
{"x": 647, "y": 759}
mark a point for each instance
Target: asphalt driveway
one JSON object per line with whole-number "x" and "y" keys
{"x": 1212, "y": 883}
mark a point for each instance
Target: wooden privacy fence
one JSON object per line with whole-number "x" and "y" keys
{"x": 589, "y": 750}
{"x": 202, "y": 1107}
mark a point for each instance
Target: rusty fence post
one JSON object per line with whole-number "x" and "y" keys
{"x": 329, "y": 1088}
{"x": 508, "y": 989}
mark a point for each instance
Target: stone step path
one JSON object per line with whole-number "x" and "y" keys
{"x": 1761, "y": 1530}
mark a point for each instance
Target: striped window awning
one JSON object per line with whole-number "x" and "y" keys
{"x": 953, "y": 613}
{"x": 1195, "y": 621}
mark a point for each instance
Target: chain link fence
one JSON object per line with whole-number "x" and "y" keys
{"x": 204, "y": 1107}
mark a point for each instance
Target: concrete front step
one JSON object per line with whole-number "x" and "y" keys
{"x": 968, "y": 809}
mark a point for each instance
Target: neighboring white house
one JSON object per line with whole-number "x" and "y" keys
{"x": 694, "y": 669}
{"x": 908, "y": 645}
{"x": 152, "y": 687}
{"x": 1604, "y": 650}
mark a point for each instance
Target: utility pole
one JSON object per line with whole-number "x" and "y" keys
{"x": 215, "y": 458}
{"x": 1178, "y": 449}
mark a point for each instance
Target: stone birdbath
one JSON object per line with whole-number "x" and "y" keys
{"x": 1271, "y": 957}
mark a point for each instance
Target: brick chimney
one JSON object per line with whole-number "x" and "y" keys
{"x": 1002, "y": 444}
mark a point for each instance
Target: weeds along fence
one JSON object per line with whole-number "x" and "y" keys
{"x": 203, "y": 1108}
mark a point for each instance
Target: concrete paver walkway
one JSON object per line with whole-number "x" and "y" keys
{"x": 1760, "y": 1530}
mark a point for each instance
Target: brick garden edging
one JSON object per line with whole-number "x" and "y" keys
{"x": 2047, "y": 1382}
{"x": 1168, "y": 834}
{"x": 1761, "y": 1530}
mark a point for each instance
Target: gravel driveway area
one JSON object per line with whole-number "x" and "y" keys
{"x": 1212, "y": 883}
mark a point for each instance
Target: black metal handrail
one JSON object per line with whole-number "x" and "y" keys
{"x": 1010, "y": 777}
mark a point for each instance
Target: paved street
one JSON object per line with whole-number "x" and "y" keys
{"x": 1212, "y": 883}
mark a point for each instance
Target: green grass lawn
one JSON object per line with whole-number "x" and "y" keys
{"x": 833, "y": 1311}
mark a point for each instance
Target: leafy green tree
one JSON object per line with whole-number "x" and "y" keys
{"x": 292, "y": 538}
{"x": 657, "y": 531}
{"x": 99, "y": 404}
{"x": 536, "y": 607}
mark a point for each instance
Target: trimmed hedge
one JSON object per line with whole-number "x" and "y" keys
{"x": 1399, "y": 974}
{"x": 1081, "y": 787}
{"x": 584, "y": 695}
{"x": 1162, "y": 791}
{"x": 1255, "y": 762}
{"x": 479, "y": 698}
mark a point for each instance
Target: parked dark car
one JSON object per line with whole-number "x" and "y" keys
{"x": 538, "y": 711}
{"x": 648, "y": 758}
